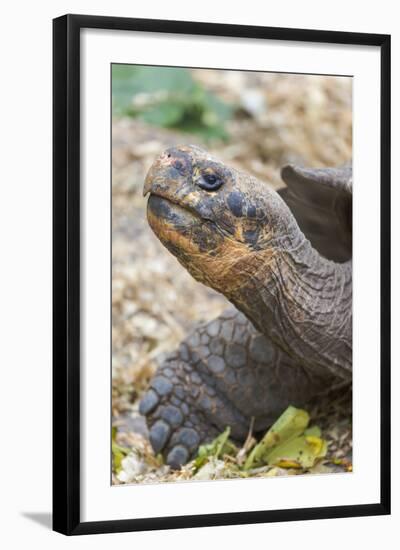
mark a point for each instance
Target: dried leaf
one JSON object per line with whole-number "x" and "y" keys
{"x": 216, "y": 468}
{"x": 221, "y": 445}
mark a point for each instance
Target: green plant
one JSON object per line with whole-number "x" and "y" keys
{"x": 168, "y": 97}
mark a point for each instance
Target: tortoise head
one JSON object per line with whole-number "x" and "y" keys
{"x": 220, "y": 223}
{"x": 234, "y": 234}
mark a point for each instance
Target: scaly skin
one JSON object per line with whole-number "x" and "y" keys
{"x": 234, "y": 234}
{"x": 223, "y": 374}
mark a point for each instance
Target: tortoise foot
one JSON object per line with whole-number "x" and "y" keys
{"x": 224, "y": 374}
{"x": 183, "y": 411}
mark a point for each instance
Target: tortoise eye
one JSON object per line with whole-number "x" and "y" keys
{"x": 210, "y": 182}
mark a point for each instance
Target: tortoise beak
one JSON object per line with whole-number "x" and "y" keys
{"x": 174, "y": 165}
{"x": 160, "y": 170}
{"x": 156, "y": 169}
{"x": 147, "y": 183}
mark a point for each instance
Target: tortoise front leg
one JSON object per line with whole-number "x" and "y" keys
{"x": 224, "y": 374}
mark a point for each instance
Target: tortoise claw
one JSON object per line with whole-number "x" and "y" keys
{"x": 148, "y": 402}
{"x": 177, "y": 425}
{"x": 159, "y": 435}
{"x": 177, "y": 456}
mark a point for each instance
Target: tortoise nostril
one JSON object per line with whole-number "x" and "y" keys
{"x": 177, "y": 159}
{"x": 178, "y": 165}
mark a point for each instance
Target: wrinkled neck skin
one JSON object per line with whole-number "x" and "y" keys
{"x": 302, "y": 301}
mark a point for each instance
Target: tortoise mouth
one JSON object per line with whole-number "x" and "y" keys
{"x": 174, "y": 224}
{"x": 170, "y": 211}
{"x": 183, "y": 231}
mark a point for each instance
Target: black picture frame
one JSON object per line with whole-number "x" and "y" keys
{"x": 66, "y": 273}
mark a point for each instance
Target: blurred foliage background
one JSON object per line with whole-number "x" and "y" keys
{"x": 169, "y": 97}
{"x": 254, "y": 121}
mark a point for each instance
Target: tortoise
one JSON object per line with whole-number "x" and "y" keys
{"x": 283, "y": 260}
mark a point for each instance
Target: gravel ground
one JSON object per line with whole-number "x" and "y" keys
{"x": 155, "y": 302}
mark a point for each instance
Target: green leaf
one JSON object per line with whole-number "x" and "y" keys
{"x": 289, "y": 443}
{"x": 300, "y": 452}
{"x": 313, "y": 431}
{"x": 164, "y": 114}
{"x": 118, "y": 452}
{"x": 289, "y": 425}
{"x": 220, "y": 446}
{"x": 168, "y": 97}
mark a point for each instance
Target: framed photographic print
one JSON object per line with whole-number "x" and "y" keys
{"x": 219, "y": 358}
